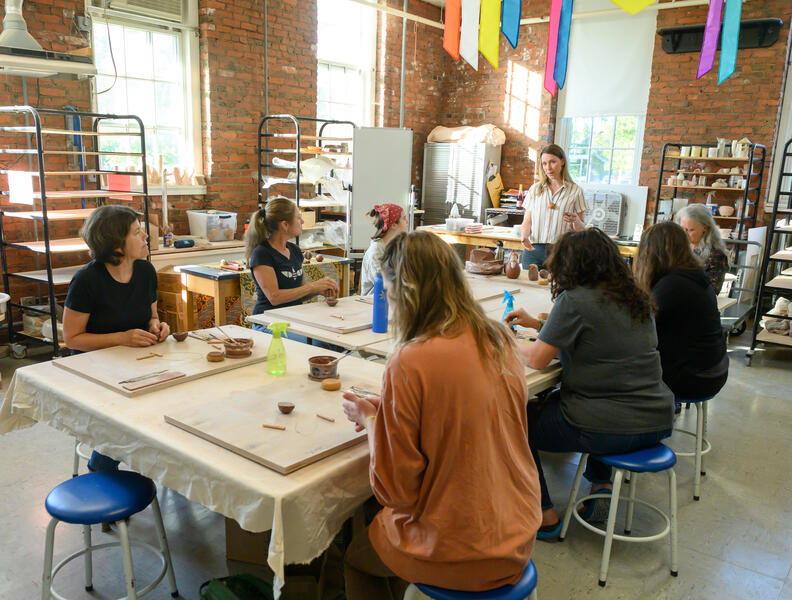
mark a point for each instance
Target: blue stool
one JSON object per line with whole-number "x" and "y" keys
{"x": 524, "y": 589}
{"x": 649, "y": 460}
{"x": 99, "y": 498}
{"x": 702, "y": 443}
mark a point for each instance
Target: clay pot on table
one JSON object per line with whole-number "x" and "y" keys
{"x": 179, "y": 336}
{"x": 533, "y": 272}
{"x": 322, "y": 367}
{"x": 512, "y": 267}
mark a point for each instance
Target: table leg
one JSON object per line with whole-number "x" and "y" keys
{"x": 219, "y": 305}
{"x": 190, "y": 310}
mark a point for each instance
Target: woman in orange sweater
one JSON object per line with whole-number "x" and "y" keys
{"x": 450, "y": 461}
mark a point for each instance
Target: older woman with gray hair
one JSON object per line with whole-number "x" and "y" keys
{"x": 705, "y": 241}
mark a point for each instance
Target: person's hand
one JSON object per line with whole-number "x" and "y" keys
{"x": 522, "y": 318}
{"x": 324, "y": 285}
{"x": 159, "y": 328}
{"x": 137, "y": 338}
{"x": 526, "y": 242}
{"x": 358, "y": 409}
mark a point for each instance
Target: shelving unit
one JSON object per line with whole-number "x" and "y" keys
{"x": 775, "y": 280}
{"x": 49, "y": 206}
{"x": 673, "y": 163}
{"x": 272, "y": 140}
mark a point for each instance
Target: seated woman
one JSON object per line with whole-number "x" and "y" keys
{"x": 112, "y": 301}
{"x": 612, "y": 396}
{"x": 706, "y": 242}
{"x": 390, "y": 220}
{"x": 450, "y": 461}
{"x": 277, "y": 263}
{"x": 690, "y": 339}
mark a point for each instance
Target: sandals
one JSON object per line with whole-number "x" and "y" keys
{"x": 549, "y": 532}
{"x": 594, "y": 510}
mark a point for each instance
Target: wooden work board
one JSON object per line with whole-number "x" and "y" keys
{"x": 486, "y": 289}
{"x": 349, "y": 315}
{"x": 235, "y": 421}
{"x": 181, "y": 361}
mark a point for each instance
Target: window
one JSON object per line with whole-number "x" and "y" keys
{"x": 345, "y": 54}
{"x": 144, "y": 70}
{"x": 603, "y": 149}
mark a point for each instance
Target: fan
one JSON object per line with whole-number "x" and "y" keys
{"x": 606, "y": 211}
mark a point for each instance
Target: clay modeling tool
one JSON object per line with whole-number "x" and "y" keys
{"x": 150, "y": 355}
{"x": 363, "y": 393}
{"x": 324, "y": 418}
{"x": 220, "y": 329}
{"x": 142, "y": 377}
{"x": 344, "y": 355}
{"x": 269, "y": 426}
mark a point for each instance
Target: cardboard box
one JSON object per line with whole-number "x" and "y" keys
{"x": 309, "y": 218}
{"x": 245, "y": 546}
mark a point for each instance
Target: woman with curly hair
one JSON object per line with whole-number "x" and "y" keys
{"x": 612, "y": 396}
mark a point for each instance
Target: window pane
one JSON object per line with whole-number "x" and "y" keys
{"x": 623, "y": 163}
{"x": 354, "y": 87}
{"x": 323, "y": 83}
{"x": 578, "y": 164}
{"x": 603, "y": 132}
{"x": 581, "y": 132}
{"x": 166, "y": 57}
{"x": 338, "y": 85}
{"x": 114, "y": 100}
{"x": 104, "y": 60}
{"x": 170, "y": 105}
{"x": 170, "y": 147}
{"x": 322, "y": 110}
{"x": 141, "y": 100}
{"x": 139, "y": 61}
{"x": 626, "y": 132}
{"x": 600, "y": 165}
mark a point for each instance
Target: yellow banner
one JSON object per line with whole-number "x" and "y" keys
{"x": 489, "y": 30}
{"x": 633, "y": 6}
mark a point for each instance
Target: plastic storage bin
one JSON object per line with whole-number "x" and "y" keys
{"x": 214, "y": 225}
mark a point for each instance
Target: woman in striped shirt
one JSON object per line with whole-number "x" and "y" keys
{"x": 553, "y": 206}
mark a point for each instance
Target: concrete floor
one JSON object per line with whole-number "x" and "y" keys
{"x": 734, "y": 543}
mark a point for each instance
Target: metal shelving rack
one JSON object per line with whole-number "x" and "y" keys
{"x": 86, "y": 145}
{"x": 266, "y": 153}
{"x": 774, "y": 280}
{"x": 751, "y": 195}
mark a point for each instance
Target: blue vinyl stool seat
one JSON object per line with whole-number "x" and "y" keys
{"x": 524, "y": 588}
{"x": 102, "y": 497}
{"x": 703, "y": 445}
{"x": 654, "y": 459}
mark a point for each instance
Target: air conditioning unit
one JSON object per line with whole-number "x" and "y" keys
{"x": 170, "y": 10}
{"x": 605, "y": 211}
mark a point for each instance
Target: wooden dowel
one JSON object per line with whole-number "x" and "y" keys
{"x": 269, "y": 426}
{"x": 329, "y": 419}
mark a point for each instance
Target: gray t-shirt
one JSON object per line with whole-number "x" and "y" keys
{"x": 612, "y": 378}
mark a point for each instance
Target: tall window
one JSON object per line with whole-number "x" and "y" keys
{"x": 142, "y": 70}
{"x": 603, "y": 149}
{"x": 345, "y": 57}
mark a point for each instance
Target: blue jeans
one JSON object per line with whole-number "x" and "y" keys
{"x": 549, "y": 431}
{"x": 535, "y": 257}
{"x": 296, "y": 337}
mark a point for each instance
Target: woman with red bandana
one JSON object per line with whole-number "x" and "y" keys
{"x": 389, "y": 220}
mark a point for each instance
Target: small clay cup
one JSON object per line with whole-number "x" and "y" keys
{"x": 319, "y": 257}
{"x": 319, "y": 367}
{"x": 331, "y": 299}
{"x": 179, "y": 336}
{"x": 285, "y": 407}
{"x": 544, "y": 274}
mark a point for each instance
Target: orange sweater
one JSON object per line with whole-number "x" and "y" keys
{"x": 452, "y": 467}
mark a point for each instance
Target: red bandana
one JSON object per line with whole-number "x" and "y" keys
{"x": 390, "y": 213}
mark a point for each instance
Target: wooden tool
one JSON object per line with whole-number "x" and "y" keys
{"x": 149, "y": 380}
{"x": 149, "y": 355}
{"x": 324, "y": 418}
{"x": 269, "y": 426}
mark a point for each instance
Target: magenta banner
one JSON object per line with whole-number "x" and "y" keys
{"x": 711, "y": 33}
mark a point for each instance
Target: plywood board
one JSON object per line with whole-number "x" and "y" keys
{"x": 112, "y": 366}
{"x": 347, "y": 316}
{"x": 484, "y": 289}
{"x": 235, "y": 421}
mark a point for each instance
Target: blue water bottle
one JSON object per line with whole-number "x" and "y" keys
{"x": 380, "y": 322}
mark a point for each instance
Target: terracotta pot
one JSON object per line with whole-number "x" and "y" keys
{"x": 533, "y": 273}
{"x": 179, "y": 336}
{"x": 513, "y": 267}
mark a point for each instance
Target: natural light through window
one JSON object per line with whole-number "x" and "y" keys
{"x": 603, "y": 149}
{"x": 522, "y": 100}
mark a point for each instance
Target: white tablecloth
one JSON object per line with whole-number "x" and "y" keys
{"x": 304, "y": 510}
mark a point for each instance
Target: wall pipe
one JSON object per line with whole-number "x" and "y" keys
{"x": 404, "y": 45}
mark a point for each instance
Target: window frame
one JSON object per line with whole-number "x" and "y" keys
{"x": 565, "y": 139}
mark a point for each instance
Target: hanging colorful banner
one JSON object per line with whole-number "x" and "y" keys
{"x": 489, "y": 29}
{"x": 711, "y": 33}
{"x": 729, "y": 39}
{"x": 562, "y": 49}
{"x": 633, "y": 6}
{"x": 552, "y": 46}
{"x": 453, "y": 17}
{"x": 510, "y": 20}
{"x": 469, "y": 32}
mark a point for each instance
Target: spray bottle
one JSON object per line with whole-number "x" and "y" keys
{"x": 276, "y": 355}
{"x": 508, "y": 300}
{"x": 379, "y": 322}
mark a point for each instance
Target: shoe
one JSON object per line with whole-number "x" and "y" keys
{"x": 594, "y": 510}
{"x": 549, "y": 532}
{"x": 677, "y": 408}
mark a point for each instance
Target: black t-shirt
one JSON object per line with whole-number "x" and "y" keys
{"x": 288, "y": 271}
{"x": 113, "y": 306}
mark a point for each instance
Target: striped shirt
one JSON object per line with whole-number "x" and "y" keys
{"x": 547, "y": 224}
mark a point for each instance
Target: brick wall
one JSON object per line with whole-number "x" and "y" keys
{"x": 684, "y": 109}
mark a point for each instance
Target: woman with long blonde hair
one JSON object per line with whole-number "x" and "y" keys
{"x": 449, "y": 427}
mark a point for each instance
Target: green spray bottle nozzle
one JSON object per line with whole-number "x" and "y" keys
{"x": 276, "y": 355}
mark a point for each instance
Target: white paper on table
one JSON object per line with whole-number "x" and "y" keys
{"x": 469, "y": 32}
{"x": 20, "y": 187}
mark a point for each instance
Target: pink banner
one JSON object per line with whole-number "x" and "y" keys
{"x": 552, "y": 46}
{"x": 711, "y": 33}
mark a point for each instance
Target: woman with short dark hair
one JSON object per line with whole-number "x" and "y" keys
{"x": 112, "y": 301}
{"x": 612, "y": 396}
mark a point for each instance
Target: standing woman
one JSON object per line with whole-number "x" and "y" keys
{"x": 553, "y": 206}
{"x": 277, "y": 263}
{"x": 450, "y": 461}
{"x": 706, "y": 242}
{"x": 390, "y": 220}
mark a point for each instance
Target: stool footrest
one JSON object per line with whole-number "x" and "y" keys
{"x": 616, "y": 536}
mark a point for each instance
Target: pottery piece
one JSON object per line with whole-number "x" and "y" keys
{"x": 215, "y": 357}
{"x": 319, "y": 257}
{"x": 513, "y": 267}
{"x": 726, "y": 211}
{"x": 179, "y": 336}
{"x": 307, "y": 255}
{"x": 322, "y": 367}
{"x": 331, "y": 384}
{"x": 238, "y": 348}
{"x": 543, "y": 282}
{"x": 533, "y": 272}
{"x": 544, "y": 274}
{"x": 482, "y": 262}
{"x": 285, "y": 407}
{"x": 331, "y": 299}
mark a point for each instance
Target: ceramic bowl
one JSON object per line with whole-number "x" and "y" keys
{"x": 725, "y": 211}
{"x": 285, "y": 407}
{"x": 319, "y": 367}
{"x": 179, "y": 336}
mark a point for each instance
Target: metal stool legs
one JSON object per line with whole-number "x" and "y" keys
{"x": 703, "y": 446}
